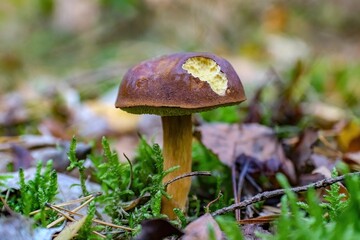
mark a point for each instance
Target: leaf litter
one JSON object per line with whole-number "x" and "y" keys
{"x": 253, "y": 150}
{"x": 236, "y": 144}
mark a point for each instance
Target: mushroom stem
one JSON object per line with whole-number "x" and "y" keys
{"x": 177, "y": 136}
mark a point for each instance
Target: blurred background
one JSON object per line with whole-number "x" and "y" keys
{"x": 67, "y": 57}
{"x": 61, "y": 63}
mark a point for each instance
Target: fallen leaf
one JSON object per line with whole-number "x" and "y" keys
{"x": 248, "y": 141}
{"x": 118, "y": 120}
{"x": 157, "y": 229}
{"x": 260, "y": 219}
{"x": 22, "y": 157}
{"x": 307, "y": 178}
{"x": 276, "y": 17}
{"x": 71, "y": 230}
{"x": 326, "y": 173}
{"x": 323, "y": 171}
{"x": 201, "y": 227}
{"x": 24, "y": 151}
{"x": 55, "y": 128}
{"x": 324, "y": 114}
{"x": 319, "y": 160}
{"x": 301, "y": 152}
{"x": 12, "y": 110}
{"x": 349, "y": 137}
{"x": 353, "y": 159}
{"x": 285, "y": 51}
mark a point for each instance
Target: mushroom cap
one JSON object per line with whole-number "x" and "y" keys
{"x": 180, "y": 84}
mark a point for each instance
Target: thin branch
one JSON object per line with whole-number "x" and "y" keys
{"x": 190, "y": 174}
{"x": 240, "y": 185}
{"x": 279, "y": 192}
{"x": 213, "y": 201}
{"x": 234, "y": 188}
{"x": 94, "y": 219}
{"x": 6, "y": 206}
{"x": 68, "y": 217}
{"x": 74, "y": 210}
{"x": 93, "y": 195}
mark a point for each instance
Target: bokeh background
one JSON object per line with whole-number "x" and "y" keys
{"x": 61, "y": 62}
{"x": 78, "y": 50}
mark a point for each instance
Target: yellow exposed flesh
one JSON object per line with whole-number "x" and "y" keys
{"x": 209, "y": 71}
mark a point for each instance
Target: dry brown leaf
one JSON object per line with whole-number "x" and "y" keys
{"x": 349, "y": 137}
{"x": 300, "y": 155}
{"x": 21, "y": 157}
{"x": 71, "y": 230}
{"x": 118, "y": 121}
{"x": 199, "y": 229}
{"x": 153, "y": 229}
{"x": 348, "y": 141}
{"x": 276, "y": 18}
{"x": 24, "y": 151}
{"x": 255, "y": 141}
{"x": 353, "y": 159}
{"x": 325, "y": 115}
{"x": 260, "y": 219}
{"x": 12, "y": 110}
{"x": 55, "y": 128}
{"x": 326, "y": 173}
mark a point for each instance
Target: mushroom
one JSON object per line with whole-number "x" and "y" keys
{"x": 174, "y": 87}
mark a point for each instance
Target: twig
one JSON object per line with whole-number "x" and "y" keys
{"x": 270, "y": 194}
{"x": 70, "y": 218}
{"x": 213, "y": 201}
{"x": 190, "y": 174}
{"x": 253, "y": 183}
{"x": 94, "y": 219}
{"x": 71, "y": 202}
{"x": 6, "y": 206}
{"x": 74, "y": 210}
{"x": 240, "y": 184}
{"x": 235, "y": 189}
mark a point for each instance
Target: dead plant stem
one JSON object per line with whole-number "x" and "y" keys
{"x": 279, "y": 192}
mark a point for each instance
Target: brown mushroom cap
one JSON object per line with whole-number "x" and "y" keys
{"x": 164, "y": 86}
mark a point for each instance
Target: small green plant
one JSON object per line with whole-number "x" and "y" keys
{"x": 149, "y": 166}
{"x": 116, "y": 180}
{"x": 3, "y": 179}
{"x": 122, "y": 191}
{"x": 230, "y": 227}
{"x": 308, "y": 220}
{"x": 35, "y": 193}
{"x": 86, "y": 231}
{"x": 336, "y": 202}
{"x": 79, "y": 164}
{"x": 157, "y": 188}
